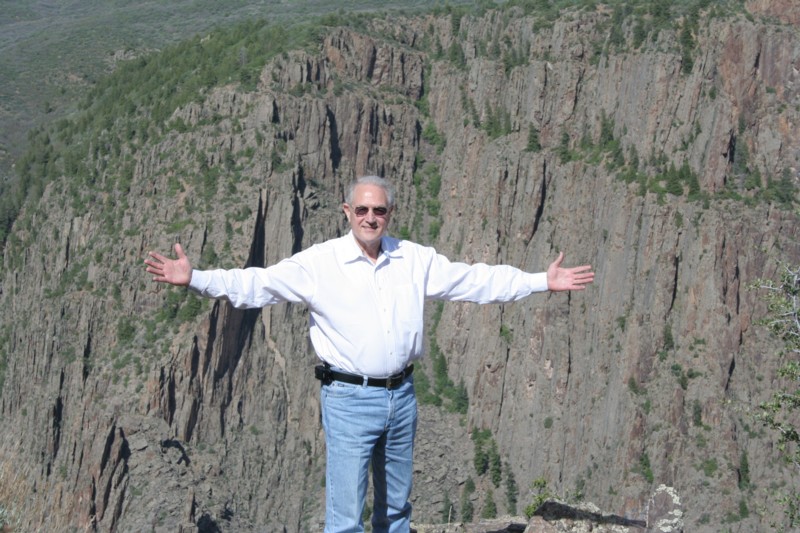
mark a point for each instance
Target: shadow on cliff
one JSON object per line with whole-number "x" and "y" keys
{"x": 551, "y": 510}
{"x": 558, "y": 516}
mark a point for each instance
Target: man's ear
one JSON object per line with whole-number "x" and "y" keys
{"x": 346, "y": 209}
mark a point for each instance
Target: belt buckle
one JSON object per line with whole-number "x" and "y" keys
{"x": 323, "y": 373}
{"x": 394, "y": 381}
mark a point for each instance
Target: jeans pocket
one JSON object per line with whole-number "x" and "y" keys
{"x": 338, "y": 389}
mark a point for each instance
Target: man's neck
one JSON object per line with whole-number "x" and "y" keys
{"x": 371, "y": 252}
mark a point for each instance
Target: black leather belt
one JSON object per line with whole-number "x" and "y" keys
{"x": 326, "y": 374}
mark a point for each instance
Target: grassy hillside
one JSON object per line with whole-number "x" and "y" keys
{"x": 53, "y": 55}
{"x": 50, "y": 53}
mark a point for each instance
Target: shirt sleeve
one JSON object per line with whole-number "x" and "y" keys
{"x": 286, "y": 281}
{"x": 480, "y": 283}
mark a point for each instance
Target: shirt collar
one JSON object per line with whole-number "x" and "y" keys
{"x": 352, "y": 252}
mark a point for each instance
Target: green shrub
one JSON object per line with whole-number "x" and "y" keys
{"x": 126, "y": 330}
{"x": 489, "y": 506}
{"x": 541, "y": 495}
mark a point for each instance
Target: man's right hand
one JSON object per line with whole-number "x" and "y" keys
{"x": 174, "y": 271}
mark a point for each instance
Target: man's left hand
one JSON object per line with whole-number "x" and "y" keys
{"x": 568, "y": 279}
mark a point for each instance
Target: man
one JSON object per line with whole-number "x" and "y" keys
{"x": 366, "y": 293}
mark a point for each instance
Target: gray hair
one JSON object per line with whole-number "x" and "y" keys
{"x": 383, "y": 183}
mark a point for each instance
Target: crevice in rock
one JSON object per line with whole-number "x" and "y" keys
{"x": 333, "y": 131}
{"x": 195, "y": 392}
{"x": 731, "y": 368}
{"x": 502, "y": 395}
{"x": 162, "y": 386}
{"x": 66, "y": 254}
{"x": 736, "y": 278}
{"x": 542, "y": 197}
{"x": 372, "y": 122}
{"x": 205, "y": 240}
{"x": 122, "y": 483}
{"x": 58, "y": 413}
{"x": 93, "y": 505}
{"x": 191, "y": 421}
{"x": 117, "y": 511}
{"x": 194, "y": 359}
{"x": 276, "y": 115}
{"x": 730, "y": 152}
{"x": 578, "y": 84}
{"x": 257, "y": 246}
{"x": 107, "y": 449}
{"x": 373, "y": 56}
{"x": 676, "y": 265}
{"x": 171, "y": 401}
{"x": 502, "y": 228}
{"x": 719, "y": 264}
{"x": 87, "y": 353}
{"x": 297, "y": 213}
{"x": 569, "y": 347}
{"x": 213, "y": 319}
{"x": 121, "y": 461}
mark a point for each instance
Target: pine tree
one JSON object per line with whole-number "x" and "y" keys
{"x": 512, "y": 491}
{"x": 489, "y": 507}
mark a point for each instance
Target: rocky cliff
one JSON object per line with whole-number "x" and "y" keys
{"x": 128, "y": 406}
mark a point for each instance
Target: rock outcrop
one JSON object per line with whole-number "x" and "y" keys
{"x": 664, "y": 515}
{"x": 128, "y": 406}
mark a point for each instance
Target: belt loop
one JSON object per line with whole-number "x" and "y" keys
{"x": 366, "y": 381}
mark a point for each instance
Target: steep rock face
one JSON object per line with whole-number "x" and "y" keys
{"x": 134, "y": 406}
{"x": 783, "y": 10}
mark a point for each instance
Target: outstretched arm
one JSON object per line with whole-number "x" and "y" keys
{"x": 174, "y": 271}
{"x": 568, "y": 279}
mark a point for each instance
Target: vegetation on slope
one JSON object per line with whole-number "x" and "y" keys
{"x": 92, "y": 150}
{"x": 135, "y": 102}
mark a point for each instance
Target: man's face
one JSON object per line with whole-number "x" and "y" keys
{"x": 368, "y": 215}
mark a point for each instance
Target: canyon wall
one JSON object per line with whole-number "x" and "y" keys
{"x": 130, "y": 406}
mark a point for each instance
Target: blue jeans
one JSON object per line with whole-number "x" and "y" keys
{"x": 364, "y": 424}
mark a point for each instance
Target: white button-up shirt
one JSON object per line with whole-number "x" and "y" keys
{"x": 366, "y": 318}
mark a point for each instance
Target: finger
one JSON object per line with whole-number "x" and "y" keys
{"x": 154, "y": 264}
{"x": 179, "y": 251}
{"x": 556, "y": 265}
{"x": 157, "y": 275}
{"x": 158, "y": 257}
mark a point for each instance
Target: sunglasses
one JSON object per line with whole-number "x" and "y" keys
{"x": 362, "y": 210}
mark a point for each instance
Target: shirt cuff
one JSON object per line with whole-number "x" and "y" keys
{"x": 538, "y": 282}
{"x": 200, "y": 280}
